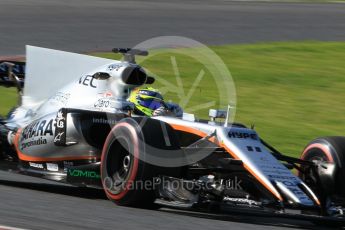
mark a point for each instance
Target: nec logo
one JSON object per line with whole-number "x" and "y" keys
{"x": 243, "y": 135}
{"x": 87, "y": 81}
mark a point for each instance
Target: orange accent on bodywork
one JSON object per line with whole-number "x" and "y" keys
{"x": 189, "y": 130}
{"x": 203, "y": 134}
{"x": 22, "y": 156}
{"x": 194, "y": 131}
{"x": 317, "y": 201}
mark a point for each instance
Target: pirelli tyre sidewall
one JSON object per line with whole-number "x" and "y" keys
{"x": 127, "y": 140}
{"x": 330, "y": 150}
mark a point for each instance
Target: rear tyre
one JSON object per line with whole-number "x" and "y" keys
{"x": 3, "y": 139}
{"x": 327, "y": 184}
{"x": 126, "y": 177}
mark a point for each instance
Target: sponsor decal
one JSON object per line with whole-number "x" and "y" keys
{"x": 288, "y": 183}
{"x": 106, "y": 100}
{"x": 103, "y": 103}
{"x": 35, "y": 133}
{"x": 58, "y": 137}
{"x": 52, "y": 167}
{"x": 115, "y": 67}
{"x": 106, "y": 94}
{"x": 35, "y": 165}
{"x": 61, "y": 97}
{"x": 242, "y": 200}
{"x": 60, "y": 120}
{"x": 279, "y": 177}
{"x": 242, "y": 135}
{"x": 278, "y": 167}
{"x": 87, "y": 80}
{"x": 267, "y": 171}
{"x": 82, "y": 173}
{"x": 41, "y": 141}
{"x": 68, "y": 163}
{"x": 251, "y": 149}
{"x": 40, "y": 128}
{"x": 60, "y": 131}
{"x": 104, "y": 121}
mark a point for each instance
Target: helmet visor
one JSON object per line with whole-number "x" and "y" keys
{"x": 151, "y": 103}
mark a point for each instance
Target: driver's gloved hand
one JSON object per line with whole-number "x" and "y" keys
{"x": 176, "y": 110}
{"x": 171, "y": 109}
{"x": 161, "y": 111}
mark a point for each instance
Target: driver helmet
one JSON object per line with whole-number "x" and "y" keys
{"x": 146, "y": 101}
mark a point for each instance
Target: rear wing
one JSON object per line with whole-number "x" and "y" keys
{"x": 12, "y": 74}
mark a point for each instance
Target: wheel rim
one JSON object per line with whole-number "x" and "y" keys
{"x": 310, "y": 178}
{"x": 119, "y": 164}
{"x": 122, "y": 173}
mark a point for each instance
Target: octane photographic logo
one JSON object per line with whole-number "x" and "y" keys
{"x": 191, "y": 75}
{"x": 164, "y": 183}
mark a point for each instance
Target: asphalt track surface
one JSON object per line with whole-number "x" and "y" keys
{"x": 32, "y": 203}
{"x": 85, "y": 25}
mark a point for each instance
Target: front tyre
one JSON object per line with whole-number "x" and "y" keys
{"x": 126, "y": 177}
{"x": 327, "y": 180}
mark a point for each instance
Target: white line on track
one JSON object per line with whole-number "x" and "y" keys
{"x": 3, "y": 227}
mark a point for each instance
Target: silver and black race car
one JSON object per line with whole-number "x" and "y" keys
{"x": 74, "y": 125}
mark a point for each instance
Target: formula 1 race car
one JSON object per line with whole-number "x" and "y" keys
{"x": 74, "y": 125}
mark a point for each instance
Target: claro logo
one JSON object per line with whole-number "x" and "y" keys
{"x": 243, "y": 135}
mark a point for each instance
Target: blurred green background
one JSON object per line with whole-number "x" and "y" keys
{"x": 292, "y": 91}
